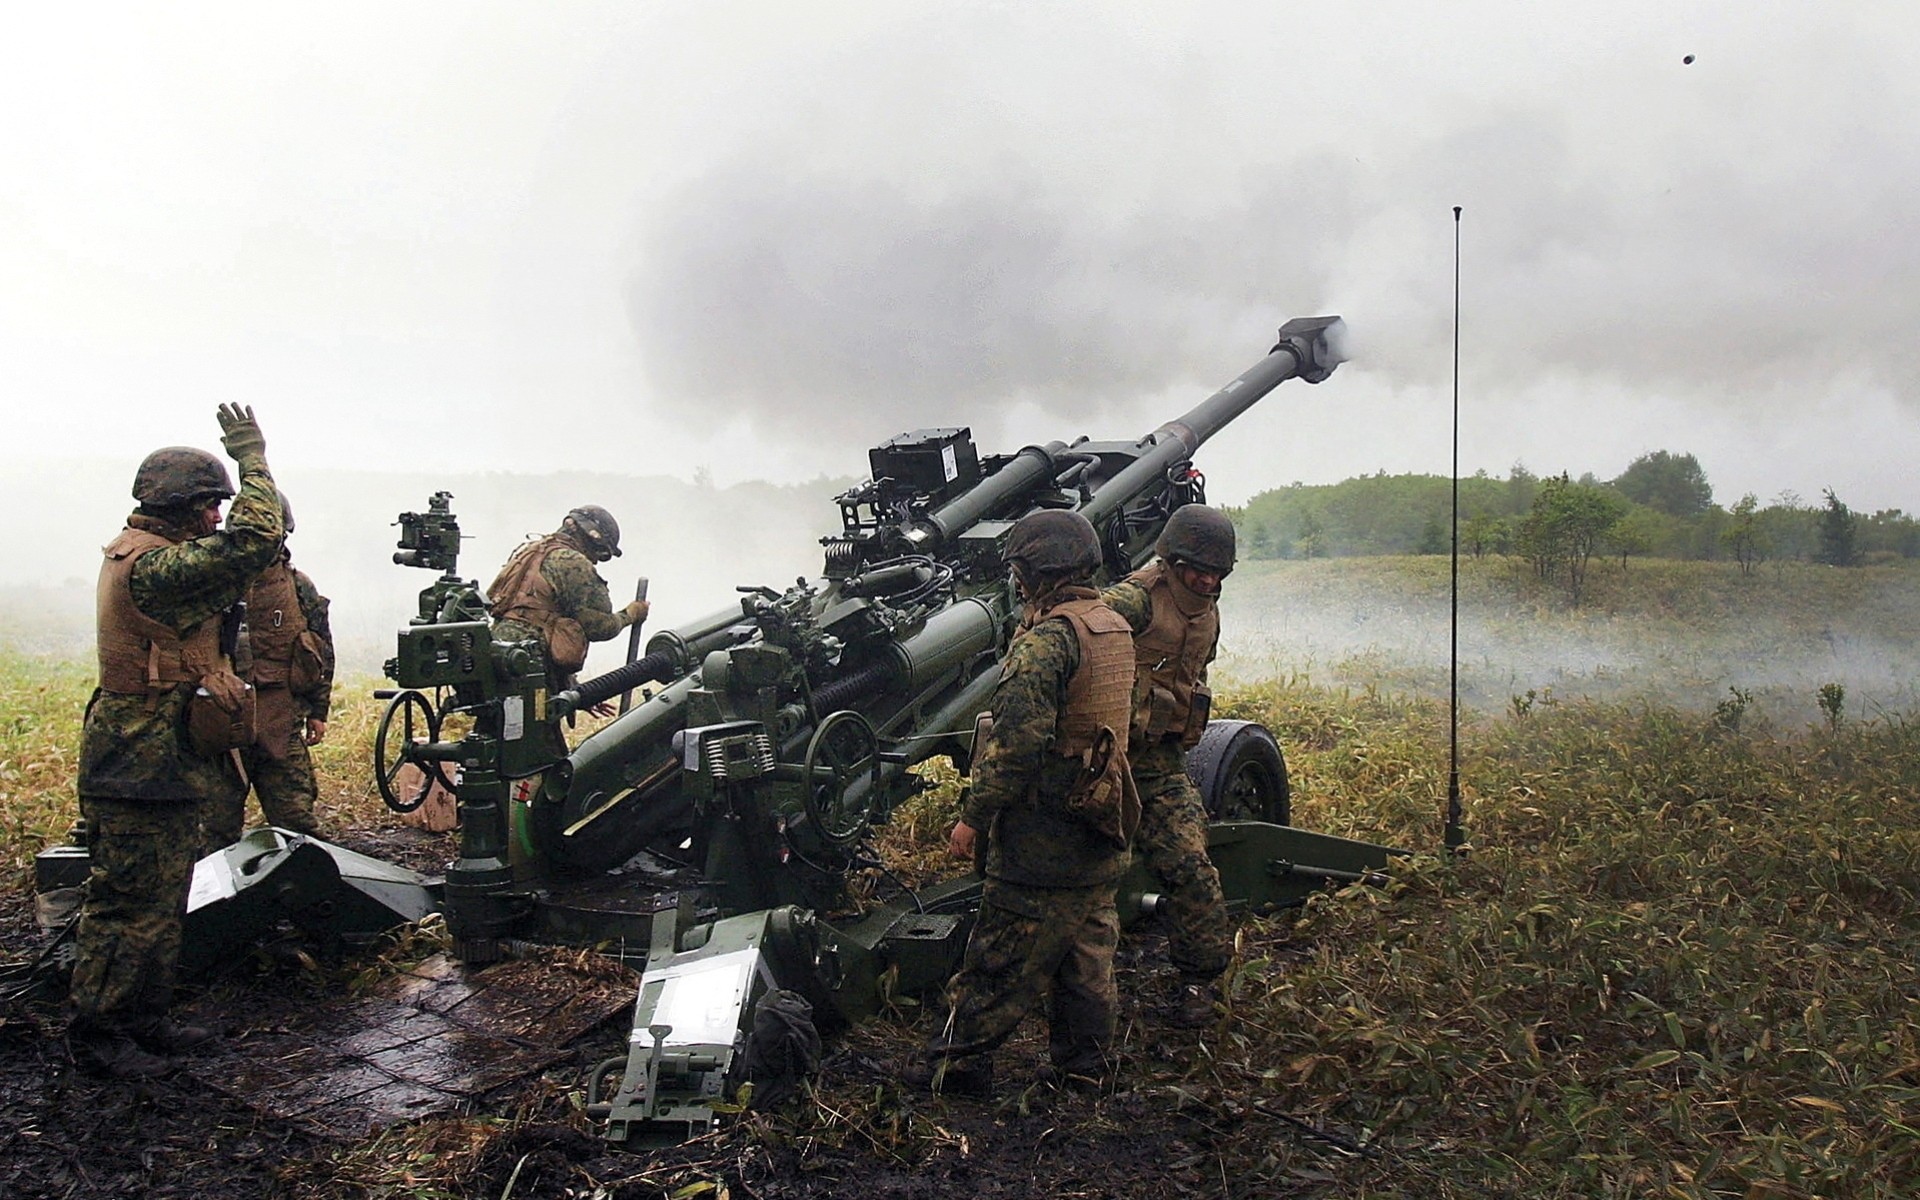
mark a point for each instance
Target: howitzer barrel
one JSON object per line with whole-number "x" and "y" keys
{"x": 1308, "y": 348}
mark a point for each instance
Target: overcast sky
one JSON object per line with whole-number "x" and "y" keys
{"x": 756, "y": 238}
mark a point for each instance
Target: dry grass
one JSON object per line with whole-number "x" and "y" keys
{"x": 1680, "y": 961}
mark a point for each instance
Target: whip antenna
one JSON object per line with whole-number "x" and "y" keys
{"x": 1456, "y": 833}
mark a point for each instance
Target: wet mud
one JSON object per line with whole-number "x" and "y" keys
{"x": 411, "y": 1076}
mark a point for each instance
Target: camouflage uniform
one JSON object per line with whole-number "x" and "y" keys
{"x": 1176, "y": 634}
{"x": 141, "y": 786}
{"x": 292, "y": 672}
{"x": 550, "y": 592}
{"x": 1047, "y": 919}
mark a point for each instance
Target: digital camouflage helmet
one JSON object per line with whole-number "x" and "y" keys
{"x": 1200, "y": 537}
{"x": 1053, "y": 542}
{"x": 597, "y": 528}
{"x": 180, "y": 477}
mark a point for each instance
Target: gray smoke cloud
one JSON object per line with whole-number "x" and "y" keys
{"x": 1729, "y": 233}
{"x": 814, "y": 304}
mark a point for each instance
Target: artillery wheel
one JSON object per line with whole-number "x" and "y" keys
{"x": 843, "y": 751}
{"x": 1240, "y": 773}
{"x": 386, "y": 770}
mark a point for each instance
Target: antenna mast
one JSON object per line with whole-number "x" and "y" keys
{"x": 1456, "y": 833}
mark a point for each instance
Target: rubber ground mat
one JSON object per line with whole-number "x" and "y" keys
{"x": 429, "y": 1040}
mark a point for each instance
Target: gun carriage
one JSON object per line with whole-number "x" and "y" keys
{"x": 708, "y": 833}
{"x": 775, "y": 732}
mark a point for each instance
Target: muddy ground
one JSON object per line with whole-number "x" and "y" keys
{"x": 1160, "y": 1128}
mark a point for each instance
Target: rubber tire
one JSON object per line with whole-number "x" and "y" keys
{"x": 1234, "y": 758}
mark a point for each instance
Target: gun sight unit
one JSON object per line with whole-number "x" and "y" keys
{"x": 430, "y": 540}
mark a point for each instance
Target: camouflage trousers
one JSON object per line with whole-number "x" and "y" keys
{"x": 1172, "y": 842}
{"x": 127, "y": 946}
{"x": 286, "y": 787}
{"x": 1030, "y": 944}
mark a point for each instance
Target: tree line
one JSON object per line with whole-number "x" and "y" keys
{"x": 1661, "y": 506}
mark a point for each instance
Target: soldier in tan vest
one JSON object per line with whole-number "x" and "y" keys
{"x": 1172, "y": 606}
{"x": 290, "y": 664}
{"x": 550, "y": 592}
{"x": 158, "y": 737}
{"x": 1052, "y": 800}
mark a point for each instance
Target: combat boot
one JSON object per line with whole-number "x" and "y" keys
{"x": 971, "y": 1076}
{"x": 164, "y": 1035}
{"x": 107, "y": 1049}
{"x": 1196, "y": 1002}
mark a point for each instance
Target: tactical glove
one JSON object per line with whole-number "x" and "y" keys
{"x": 239, "y": 433}
{"x": 636, "y": 612}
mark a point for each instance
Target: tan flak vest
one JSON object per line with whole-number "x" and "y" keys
{"x": 1099, "y": 697}
{"x": 275, "y": 622}
{"x": 139, "y": 655}
{"x": 521, "y": 593}
{"x": 282, "y": 666}
{"x": 1172, "y": 652}
{"x": 1100, "y": 694}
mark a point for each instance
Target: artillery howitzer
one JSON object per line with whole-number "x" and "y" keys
{"x": 782, "y": 728}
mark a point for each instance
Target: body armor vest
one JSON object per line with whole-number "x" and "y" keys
{"x": 521, "y": 593}
{"x": 275, "y": 622}
{"x": 1100, "y": 693}
{"x": 1173, "y": 652}
{"x": 139, "y": 655}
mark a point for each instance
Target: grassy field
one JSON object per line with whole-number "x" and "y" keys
{"x": 1680, "y": 959}
{"x": 1681, "y": 633}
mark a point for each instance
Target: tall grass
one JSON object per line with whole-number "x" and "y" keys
{"x": 39, "y": 748}
{"x": 42, "y": 701}
{"x": 1680, "y": 960}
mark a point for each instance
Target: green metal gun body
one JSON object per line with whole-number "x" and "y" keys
{"x": 781, "y": 728}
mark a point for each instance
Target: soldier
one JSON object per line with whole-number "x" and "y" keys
{"x": 1051, "y": 798}
{"x": 1172, "y": 607}
{"x": 291, "y": 647}
{"x": 549, "y": 592}
{"x": 158, "y": 736}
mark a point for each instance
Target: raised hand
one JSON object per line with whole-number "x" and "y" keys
{"x": 239, "y": 432}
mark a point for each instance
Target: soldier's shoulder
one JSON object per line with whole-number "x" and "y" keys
{"x": 569, "y": 560}
{"x": 1051, "y": 644}
{"x": 1131, "y": 599}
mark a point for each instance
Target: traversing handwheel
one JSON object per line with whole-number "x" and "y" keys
{"x": 843, "y": 752}
{"x": 417, "y": 723}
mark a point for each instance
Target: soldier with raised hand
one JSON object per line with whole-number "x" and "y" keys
{"x": 291, "y": 659}
{"x": 550, "y": 592}
{"x": 1172, "y": 606}
{"x": 158, "y": 737}
{"x": 1051, "y": 797}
